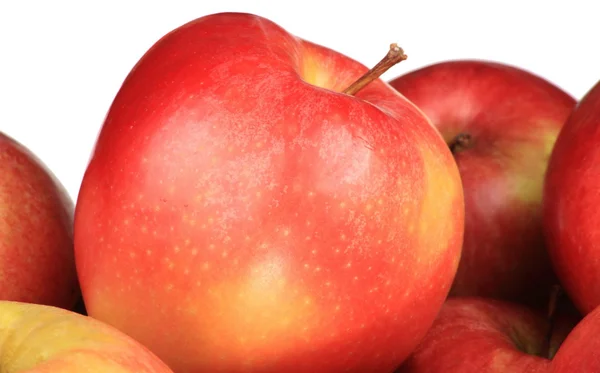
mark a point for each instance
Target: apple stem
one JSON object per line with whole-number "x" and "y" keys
{"x": 550, "y": 318}
{"x": 394, "y": 55}
{"x": 460, "y": 142}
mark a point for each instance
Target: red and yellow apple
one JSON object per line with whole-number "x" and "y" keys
{"x": 571, "y": 203}
{"x": 486, "y": 335}
{"x": 500, "y": 122}
{"x": 241, "y": 213}
{"x": 36, "y": 231}
{"x": 37, "y": 338}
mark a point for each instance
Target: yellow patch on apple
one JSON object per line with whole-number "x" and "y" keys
{"x": 440, "y": 194}
{"x": 529, "y": 184}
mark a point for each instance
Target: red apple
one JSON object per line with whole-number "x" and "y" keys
{"x": 571, "y": 203}
{"x": 501, "y": 123}
{"x": 485, "y": 335}
{"x": 241, "y": 213}
{"x": 44, "y": 339}
{"x": 579, "y": 351}
{"x": 36, "y": 231}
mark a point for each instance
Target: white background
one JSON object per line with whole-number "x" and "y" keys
{"x": 61, "y": 62}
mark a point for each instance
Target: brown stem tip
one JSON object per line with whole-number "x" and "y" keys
{"x": 393, "y": 56}
{"x": 462, "y": 141}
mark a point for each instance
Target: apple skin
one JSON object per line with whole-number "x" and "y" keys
{"x": 513, "y": 118}
{"x": 37, "y": 338}
{"x": 486, "y": 335}
{"x": 37, "y": 264}
{"x": 571, "y": 204}
{"x": 240, "y": 214}
{"x": 579, "y": 351}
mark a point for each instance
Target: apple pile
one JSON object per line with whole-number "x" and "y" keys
{"x": 259, "y": 203}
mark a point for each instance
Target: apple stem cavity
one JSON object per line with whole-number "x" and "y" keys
{"x": 555, "y": 294}
{"x": 460, "y": 142}
{"x": 393, "y": 56}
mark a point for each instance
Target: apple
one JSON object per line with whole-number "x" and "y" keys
{"x": 256, "y": 202}
{"x": 579, "y": 351}
{"x": 571, "y": 203}
{"x": 37, "y": 264}
{"x": 485, "y": 335}
{"x": 38, "y": 338}
{"x": 501, "y": 123}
